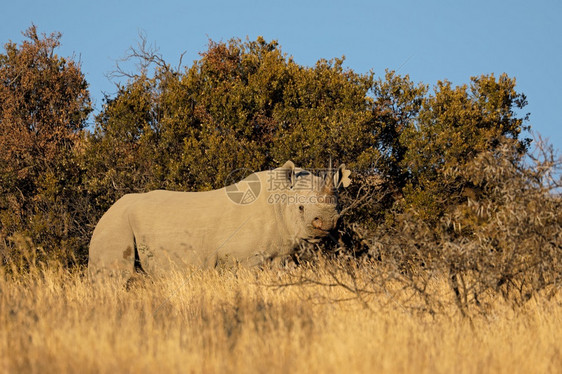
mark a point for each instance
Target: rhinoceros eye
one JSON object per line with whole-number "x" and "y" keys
{"x": 301, "y": 208}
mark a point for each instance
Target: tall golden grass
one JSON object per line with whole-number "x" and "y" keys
{"x": 255, "y": 321}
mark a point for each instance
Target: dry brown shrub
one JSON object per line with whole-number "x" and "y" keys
{"x": 503, "y": 241}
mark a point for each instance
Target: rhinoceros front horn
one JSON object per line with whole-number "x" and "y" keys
{"x": 329, "y": 185}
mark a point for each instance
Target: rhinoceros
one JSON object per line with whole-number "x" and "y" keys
{"x": 263, "y": 217}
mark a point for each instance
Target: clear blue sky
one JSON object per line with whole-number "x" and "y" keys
{"x": 429, "y": 40}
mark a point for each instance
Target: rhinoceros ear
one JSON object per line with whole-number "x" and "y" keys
{"x": 341, "y": 177}
{"x": 289, "y": 169}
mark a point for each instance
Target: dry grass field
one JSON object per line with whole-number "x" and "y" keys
{"x": 243, "y": 321}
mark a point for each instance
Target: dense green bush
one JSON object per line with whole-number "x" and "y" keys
{"x": 440, "y": 178}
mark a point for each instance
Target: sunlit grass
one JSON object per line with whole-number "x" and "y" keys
{"x": 241, "y": 321}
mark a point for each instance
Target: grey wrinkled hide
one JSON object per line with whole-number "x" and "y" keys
{"x": 159, "y": 230}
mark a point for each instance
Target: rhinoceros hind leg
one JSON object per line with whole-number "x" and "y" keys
{"x": 112, "y": 253}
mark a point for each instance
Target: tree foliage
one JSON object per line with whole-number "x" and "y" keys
{"x": 44, "y": 104}
{"x": 455, "y": 125}
{"x": 242, "y": 105}
{"x": 436, "y": 172}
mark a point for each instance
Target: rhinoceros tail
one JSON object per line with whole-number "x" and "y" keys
{"x": 138, "y": 265}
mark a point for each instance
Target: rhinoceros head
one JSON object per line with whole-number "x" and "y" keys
{"x": 310, "y": 202}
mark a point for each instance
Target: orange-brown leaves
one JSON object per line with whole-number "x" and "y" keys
{"x": 44, "y": 103}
